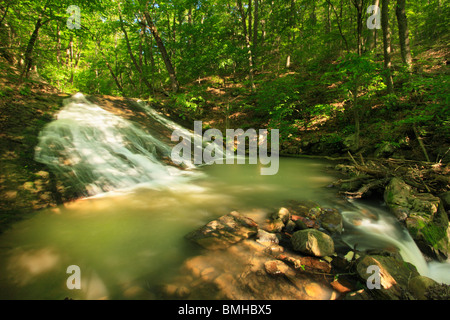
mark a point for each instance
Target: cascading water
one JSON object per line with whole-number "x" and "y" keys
{"x": 369, "y": 227}
{"x": 98, "y": 152}
{"x": 127, "y": 243}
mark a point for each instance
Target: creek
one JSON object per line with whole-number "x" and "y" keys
{"x": 127, "y": 233}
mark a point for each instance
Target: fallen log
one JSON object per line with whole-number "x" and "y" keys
{"x": 365, "y": 188}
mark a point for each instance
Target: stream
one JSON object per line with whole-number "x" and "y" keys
{"x": 127, "y": 234}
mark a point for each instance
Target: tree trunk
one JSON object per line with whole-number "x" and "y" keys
{"x": 373, "y": 34}
{"x": 162, "y": 49}
{"x": 356, "y": 115}
{"x": 133, "y": 59}
{"x": 29, "y": 49}
{"x": 403, "y": 33}
{"x": 359, "y": 4}
{"x": 248, "y": 45}
{"x": 110, "y": 68}
{"x": 339, "y": 23}
{"x": 58, "y": 45}
{"x": 255, "y": 27}
{"x": 387, "y": 45}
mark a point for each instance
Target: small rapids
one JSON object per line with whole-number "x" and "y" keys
{"x": 95, "y": 151}
{"x": 369, "y": 227}
{"x": 132, "y": 240}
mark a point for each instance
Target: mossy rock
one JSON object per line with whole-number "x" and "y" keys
{"x": 398, "y": 194}
{"x": 313, "y": 242}
{"x": 431, "y": 237}
{"x": 394, "y": 275}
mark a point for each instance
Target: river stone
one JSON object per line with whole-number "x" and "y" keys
{"x": 313, "y": 242}
{"x": 424, "y": 217}
{"x": 302, "y": 208}
{"x": 272, "y": 225}
{"x": 266, "y": 238}
{"x": 276, "y": 268}
{"x": 331, "y": 220}
{"x": 397, "y": 194}
{"x": 224, "y": 232}
{"x": 419, "y": 285}
{"x": 394, "y": 275}
{"x": 431, "y": 235}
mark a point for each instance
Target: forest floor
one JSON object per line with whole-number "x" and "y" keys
{"x": 25, "y": 108}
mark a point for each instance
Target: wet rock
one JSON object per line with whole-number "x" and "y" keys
{"x": 283, "y": 214}
{"x": 400, "y": 213}
{"x": 316, "y": 291}
{"x": 290, "y": 226}
{"x": 431, "y": 237}
{"x": 266, "y": 238}
{"x": 313, "y": 242}
{"x": 342, "y": 285}
{"x": 276, "y": 268}
{"x": 419, "y": 285}
{"x": 299, "y": 223}
{"x": 429, "y": 226}
{"x": 313, "y": 264}
{"x": 224, "y": 232}
{"x": 241, "y": 272}
{"x": 423, "y": 215}
{"x": 272, "y": 225}
{"x": 305, "y": 223}
{"x": 302, "y": 208}
{"x": 331, "y": 220}
{"x": 397, "y": 194}
{"x": 394, "y": 275}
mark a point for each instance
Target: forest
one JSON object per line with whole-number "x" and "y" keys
{"x": 356, "y": 91}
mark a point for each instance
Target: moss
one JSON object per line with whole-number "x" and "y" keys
{"x": 434, "y": 234}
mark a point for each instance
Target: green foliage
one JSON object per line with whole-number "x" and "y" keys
{"x": 360, "y": 74}
{"x": 277, "y": 98}
{"x": 25, "y": 90}
{"x": 6, "y": 91}
{"x": 188, "y": 105}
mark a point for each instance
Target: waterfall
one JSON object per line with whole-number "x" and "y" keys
{"x": 94, "y": 151}
{"x": 372, "y": 228}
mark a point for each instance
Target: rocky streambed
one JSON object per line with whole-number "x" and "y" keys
{"x": 297, "y": 252}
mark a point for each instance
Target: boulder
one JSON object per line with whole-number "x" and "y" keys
{"x": 429, "y": 226}
{"x": 394, "y": 275}
{"x": 313, "y": 242}
{"x": 432, "y": 237}
{"x": 423, "y": 215}
{"x": 397, "y": 194}
{"x": 304, "y": 208}
{"x": 331, "y": 220}
{"x": 419, "y": 285}
{"x": 224, "y": 232}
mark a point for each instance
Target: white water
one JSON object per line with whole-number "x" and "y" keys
{"x": 370, "y": 227}
{"x": 135, "y": 238}
{"x": 97, "y": 151}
